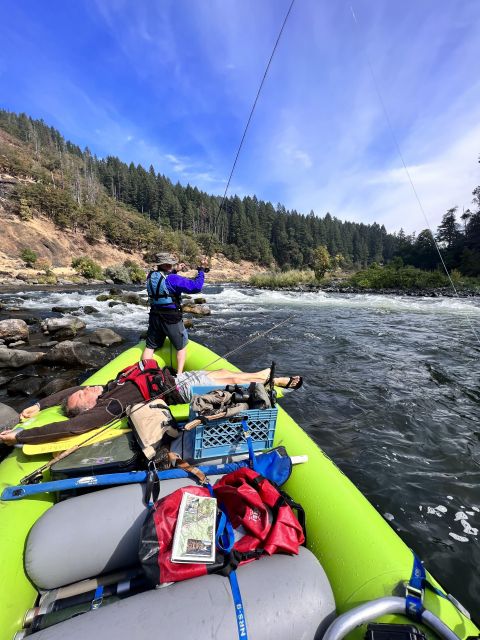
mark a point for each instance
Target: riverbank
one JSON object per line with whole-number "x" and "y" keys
{"x": 433, "y": 292}
{"x": 390, "y": 280}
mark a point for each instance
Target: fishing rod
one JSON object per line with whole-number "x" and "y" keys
{"x": 267, "y": 68}
{"x": 407, "y": 172}
{"x": 37, "y": 475}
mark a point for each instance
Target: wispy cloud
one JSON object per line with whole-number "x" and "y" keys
{"x": 172, "y": 85}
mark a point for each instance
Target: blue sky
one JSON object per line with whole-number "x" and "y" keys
{"x": 171, "y": 83}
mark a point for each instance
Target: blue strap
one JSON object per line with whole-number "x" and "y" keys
{"x": 225, "y": 536}
{"x": 248, "y": 438}
{"x": 414, "y": 593}
{"x": 237, "y": 599}
{"x": 97, "y": 598}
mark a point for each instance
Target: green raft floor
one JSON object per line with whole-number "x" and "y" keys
{"x": 362, "y": 555}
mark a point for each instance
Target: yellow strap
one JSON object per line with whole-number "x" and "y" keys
{"x": 66, "y": 443}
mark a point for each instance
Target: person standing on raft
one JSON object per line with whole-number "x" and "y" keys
{"x": 164, "y": 288}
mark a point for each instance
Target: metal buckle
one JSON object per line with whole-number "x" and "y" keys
{"x": 414, "y": 592}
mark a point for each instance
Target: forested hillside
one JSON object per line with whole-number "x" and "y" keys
{"x": 140, "y": 209}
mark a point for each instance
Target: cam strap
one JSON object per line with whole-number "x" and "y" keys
{"x": 152, "y": 486}
{"x": 414, "y": 591}
{"x": 177, "y": 461}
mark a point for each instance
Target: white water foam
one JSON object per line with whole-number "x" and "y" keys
{"x": 245, "y": 298}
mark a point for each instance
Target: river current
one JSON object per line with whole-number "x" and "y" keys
{"x": 391, "y": 394}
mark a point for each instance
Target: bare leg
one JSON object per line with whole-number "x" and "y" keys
{"x": 147, "y": 354}
{"x": 181, "y": 355}
{"x": 223, "y": 376}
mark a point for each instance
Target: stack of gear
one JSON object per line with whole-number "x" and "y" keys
{"x": 224, "y": 422}
{"x": 260, "y": 603}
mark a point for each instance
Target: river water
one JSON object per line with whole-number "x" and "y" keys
{"x": 391, "y": 394}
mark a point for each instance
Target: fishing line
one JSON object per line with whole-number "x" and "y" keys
{"x": 253, "y": 109}
{"x": 399, "y": 151}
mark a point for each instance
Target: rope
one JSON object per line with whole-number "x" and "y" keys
{"x": 417, "y": 197}
{"x": 253, "y": 109}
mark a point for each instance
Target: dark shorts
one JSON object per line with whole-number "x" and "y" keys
{"x": 158, "y": 330}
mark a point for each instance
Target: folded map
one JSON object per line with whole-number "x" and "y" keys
{"x": 194, "y": 538}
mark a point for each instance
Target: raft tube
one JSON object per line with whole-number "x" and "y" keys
{"x": 361, "y": 554}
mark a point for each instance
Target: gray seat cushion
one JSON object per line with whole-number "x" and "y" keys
{"x": 284, "y": 597}
{"x": 90, "y": 534}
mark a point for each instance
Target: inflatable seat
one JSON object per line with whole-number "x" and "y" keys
{"x": 89, "y": 535}
{"x": 284, "y": 598}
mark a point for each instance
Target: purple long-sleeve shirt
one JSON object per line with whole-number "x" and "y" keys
{"x": 179, "y": 284}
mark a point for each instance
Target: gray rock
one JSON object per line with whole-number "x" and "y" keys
{"x": 60, "y": 309}
{"x": 56, "y": 385}
{"x": 199, "y": 300}
{"x": 8, "y": 416}
{"x": 65, "y": 327}
{"x": 105, "y": 337}
{"x": 89, "y": 309}
{"x": 197, "y": 309}
{"x": 18, "y": 343}
{"x": 4, "y": 380}
{"x": 73, "y": 353}
{"x": 109, "y": 281}
{"x": 132, "y": 298}
{"x": 13, "y": 330}
{"x": 16, "y": 358}
{"x": 25, "y": 386}
{"x": 2, "y": 341}
{"x": 51, "y": 343}
{"x": 114, "y": 303}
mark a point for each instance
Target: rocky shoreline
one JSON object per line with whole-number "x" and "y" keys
{"x": 42, "y": 353}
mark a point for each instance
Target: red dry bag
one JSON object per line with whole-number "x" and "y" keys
{"x": 249, "y": 500}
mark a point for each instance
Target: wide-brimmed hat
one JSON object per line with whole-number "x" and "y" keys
{"x": 165, "y": 258}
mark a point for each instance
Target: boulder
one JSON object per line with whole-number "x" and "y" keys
{"x": 17, "y": 358}
{"x": 199, "y": 300}
{"x": 114, "y": 303}
{"x": 18, "y": 343}
{"x": 25, "y": 386}
{"x": 13, "y": 330}
{"x": 50, "y": 343}
{"x": 197, "y": 309}
{"x": 103, "y": 297}
{"x": 105, "y": 337}
{"x": 130, "y": 298}
{"x": 65, "y": 309}
{"x": 4, "y": 380}
{"x": 188, "y": 323}
{"x": 56, "y": 385}
{"x": 65, "y": 327}
{"x": 88, "y": 309}
{"x": 73, "y": 353}
{"x": 8, "y": 417}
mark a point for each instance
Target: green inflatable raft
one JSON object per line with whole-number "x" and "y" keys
{"x": 364, "y": 559}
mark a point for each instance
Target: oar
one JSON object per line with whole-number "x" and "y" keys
{"x": 263, "y": 462}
